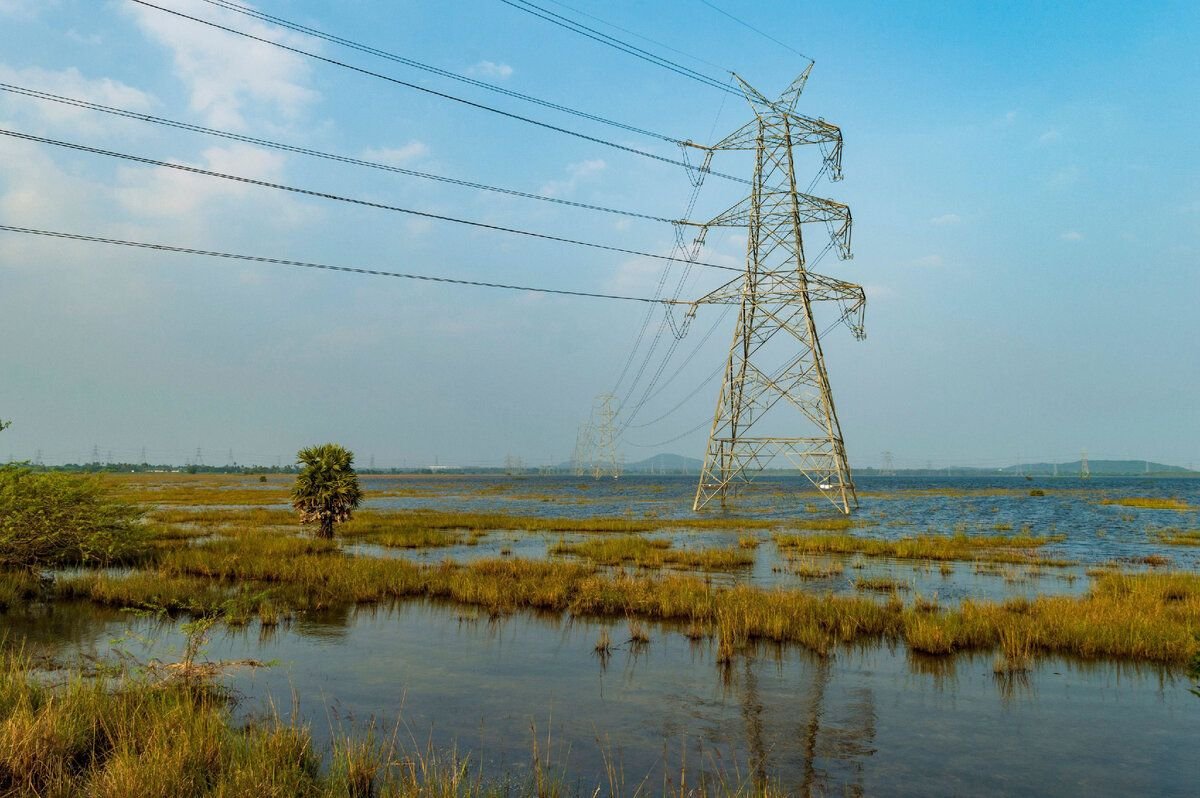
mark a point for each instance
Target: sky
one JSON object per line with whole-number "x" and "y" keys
{"x": 1023, "y": 176}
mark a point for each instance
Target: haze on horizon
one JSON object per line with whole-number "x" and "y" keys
{"x": 1024, "y": 182}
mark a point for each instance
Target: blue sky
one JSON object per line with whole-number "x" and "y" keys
{"x": 1023, "y": 176}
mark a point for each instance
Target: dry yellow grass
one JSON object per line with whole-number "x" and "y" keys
{"x": 990, "y": 548}
{"x": 1149, "y": 503}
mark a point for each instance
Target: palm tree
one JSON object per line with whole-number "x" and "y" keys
{"x": 326, "y": 490}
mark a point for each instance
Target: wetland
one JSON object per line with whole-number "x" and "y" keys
{"x": 558, "y": 635}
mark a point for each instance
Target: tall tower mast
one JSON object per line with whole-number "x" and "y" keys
{"x": 775, "y": 360}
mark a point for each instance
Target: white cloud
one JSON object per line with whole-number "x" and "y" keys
{"x": 491, "y": 69}
{"x": 1049, "y": 137}
{"x": 945, "y": 219}
{"x": 169, "y": 193}
{"x": 577, "y": 172}
{"x": 1072, "y": 235}
{"x": 72, "y": 83}
{"x": 228, "y": 76}
{"x": 397, "y": 156}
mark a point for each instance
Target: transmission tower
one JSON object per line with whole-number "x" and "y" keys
{"x": 605, "y": 462}
{"x": 1084, "y": 471}
{"x": 889, "y": 466}
{"x": 776, "y": 350}
{"x": 582, "y": 458}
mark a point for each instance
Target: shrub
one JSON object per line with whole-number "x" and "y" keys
{"x": 51, "y": 519}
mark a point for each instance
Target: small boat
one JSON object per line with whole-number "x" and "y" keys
{"x": 825, "y": 486}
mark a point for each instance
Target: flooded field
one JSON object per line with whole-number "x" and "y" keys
{"x": 664, "y": 705}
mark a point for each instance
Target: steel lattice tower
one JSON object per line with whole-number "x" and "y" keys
{"x": 775, "y": 360}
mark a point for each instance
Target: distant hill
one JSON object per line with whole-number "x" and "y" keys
{"x": 1097, "y": 468}
{"x": 1105, "y": 468}
{"x": 665, "y": 464}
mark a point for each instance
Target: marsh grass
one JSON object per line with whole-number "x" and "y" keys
{"x": 808, "y": 568}
{"x": 135, "y": 736}
{"x": 1149, "y": 503}
{"x": 879, "y": 584}
{"x": 653, "y": 553}
{"x": 18, "y": 587}
{"x": 960, "y": 546}
{"x": 1178, "y": 537}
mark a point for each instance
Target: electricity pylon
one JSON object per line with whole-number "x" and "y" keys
{"x": 605, "y": 463}
{"x": 596, "y": 442}
{"x": 1085, "y": 472}
{"x": 889, "y": 466}
{"x": 581, "y": 459}
{"x": 776, "y": 350}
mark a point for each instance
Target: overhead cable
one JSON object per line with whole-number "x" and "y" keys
{"x": 339, "y": 198}
{"x": 445, "y": 73}
{"x": 612, "y": 41}
{"x": 47, "y": 96}
{"x": 322, "y": 266}
{"x": 767, "y": 36}
{"x": 441, "y": 94}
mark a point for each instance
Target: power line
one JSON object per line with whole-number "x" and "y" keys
{"x": 637, "y": 35}
{"x": 400, "y": 59}
{"x": 340, "y": 198}
{"x": 443, "y": 95}
{"x": 313, "y": 265}
{"x": 47, "y": 96}
{"x": 612, "y": 41}
{"x": 767, "y": 36}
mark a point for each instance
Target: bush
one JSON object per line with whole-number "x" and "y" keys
{"x": 52, "y": 519}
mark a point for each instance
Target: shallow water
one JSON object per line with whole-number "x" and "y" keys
{"x": 873, "y": 720}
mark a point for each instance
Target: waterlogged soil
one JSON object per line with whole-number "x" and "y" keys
{"x": 869, "y": 721}
{"x": 877, "y": 720}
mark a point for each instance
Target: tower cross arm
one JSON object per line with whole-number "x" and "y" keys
{"x": 809, "y": 208}
{"x": 785, "y": 286}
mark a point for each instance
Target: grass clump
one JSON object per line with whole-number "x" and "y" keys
{"x": 1149, "y": 503}
{"x": 879, "y": 584}
{"x": 653, "y": 553}
{"x": 807, "y": 568}
{"x": 1178, "y": 537}
{"x": 960, "y": 546}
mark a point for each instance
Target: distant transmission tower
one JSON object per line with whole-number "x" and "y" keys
{"x": 1084, "y": 471}
{"x": 775, "y": 360}
{"x": 889, "y": 467}
{"x": 582, "y": 458}
{"x": 605, "y": 462}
